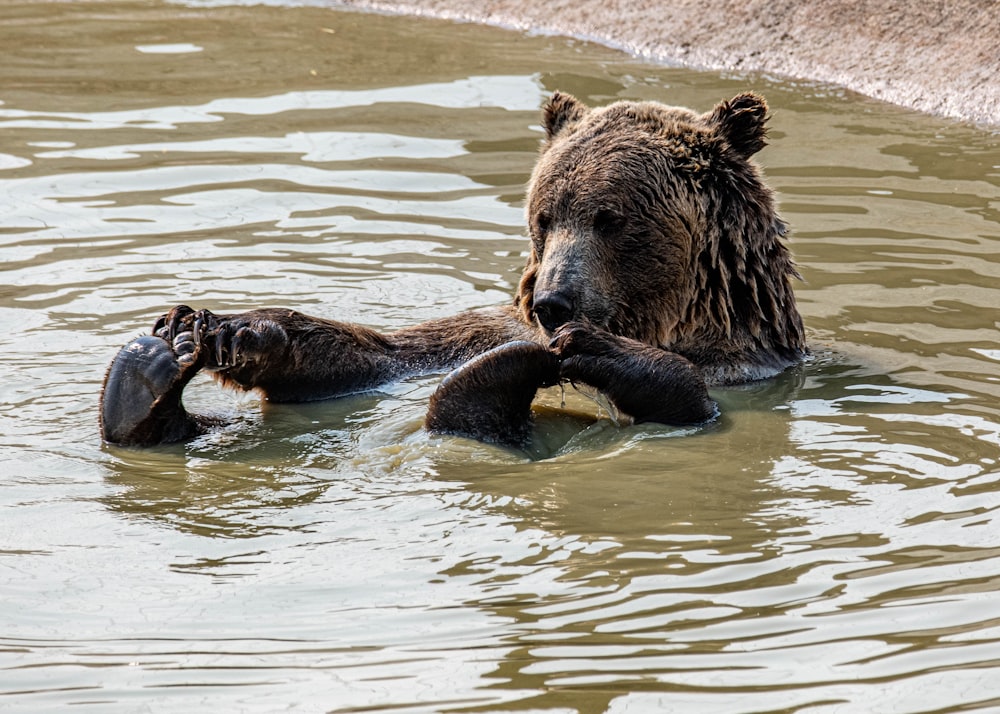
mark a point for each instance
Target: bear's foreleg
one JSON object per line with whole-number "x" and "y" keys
{"x": 291, "y": 357}
{"x": 285, "y": 355}
{"x": 647, "y": 383}
{"x": 489, "y": 398}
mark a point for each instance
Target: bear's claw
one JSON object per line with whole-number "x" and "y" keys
{"x": 226, "y": 342}
{"x": 647, "y": 383}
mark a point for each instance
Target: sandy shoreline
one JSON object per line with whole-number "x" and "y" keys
{"x": 936, "y": 56}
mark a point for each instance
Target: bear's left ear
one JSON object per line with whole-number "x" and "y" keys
{"x": 560, "y": 111}
{"x": 741, "y": 121}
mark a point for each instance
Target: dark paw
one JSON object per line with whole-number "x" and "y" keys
{"x": 180, "y": 330}
{"x": 647, "y": 383}
{"x": 585, "y": 354}
{"x": 489, "y": 397}
{"x": 141, "y": 398}
{"x": 236, "y": 343}
{"x": 579, "y": 338}
{"x": 566, "y": 339}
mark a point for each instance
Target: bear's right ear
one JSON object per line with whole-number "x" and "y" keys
{"x": 742, "y": 121}
{"x": 561, "y": 111}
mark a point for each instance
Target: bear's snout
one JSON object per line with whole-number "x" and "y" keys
{"x": 553, "y": 309}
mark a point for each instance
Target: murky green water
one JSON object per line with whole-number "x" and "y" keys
{"x": 831, "y": 545}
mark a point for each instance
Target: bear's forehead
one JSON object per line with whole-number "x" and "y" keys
{"x": 655, "y": 121}
{"x": 638, "y": 127}
{"x": 653, "y": 112}
{"x": 630, "y": 138}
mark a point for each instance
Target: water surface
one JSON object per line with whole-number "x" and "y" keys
{"x": 830, "y": 545}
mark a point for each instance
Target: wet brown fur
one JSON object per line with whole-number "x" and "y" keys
{"x": 683, "y": 239}
{"x": 651, "y": 223}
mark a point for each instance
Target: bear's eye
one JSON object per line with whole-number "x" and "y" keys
{"x": 542, "y": 224}
{"x": 608, "y": 222}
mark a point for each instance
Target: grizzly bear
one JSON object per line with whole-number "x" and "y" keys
{"x": 656, "y": 268}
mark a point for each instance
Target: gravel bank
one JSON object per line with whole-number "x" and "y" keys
{"x": 936, "y": 56}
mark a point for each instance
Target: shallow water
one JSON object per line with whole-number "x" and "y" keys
{"x": 830, "y": 545}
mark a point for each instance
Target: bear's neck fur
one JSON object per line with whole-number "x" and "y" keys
{"x": 741, "y": 322}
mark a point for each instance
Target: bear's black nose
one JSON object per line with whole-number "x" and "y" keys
{"x": 553, "y": 309}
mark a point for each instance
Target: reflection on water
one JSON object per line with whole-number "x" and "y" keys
{"x": 828, "y": 545}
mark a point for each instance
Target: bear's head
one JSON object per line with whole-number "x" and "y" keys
{"x": 653, "y": 222}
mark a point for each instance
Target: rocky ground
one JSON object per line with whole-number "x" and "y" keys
{"x": 937, "y": 56}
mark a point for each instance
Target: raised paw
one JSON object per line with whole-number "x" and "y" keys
{"x": 179, "y": 319}
{"x": 580, "y": 338}
{"x": 647, "y": 383}
{"x": 489, "y": 397}
{"x": 242, "y": 344}
{"x": 235, "y": 344}
{"x": 141, "y": 397}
